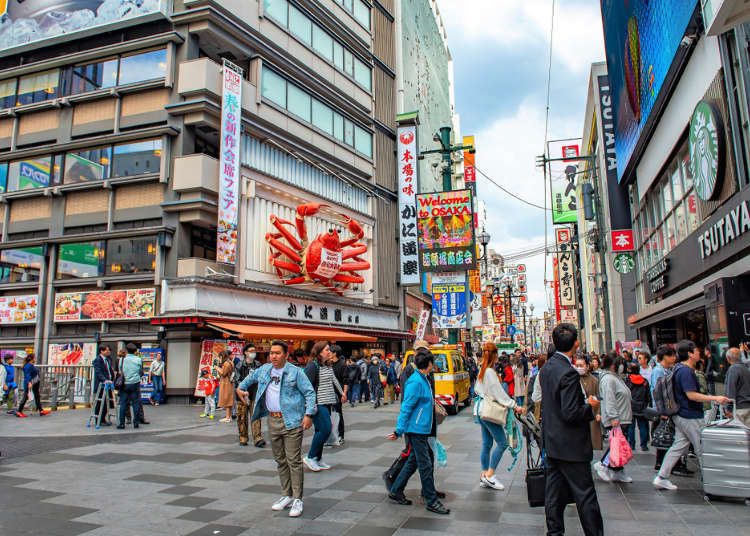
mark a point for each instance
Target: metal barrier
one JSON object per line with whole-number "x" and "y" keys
{"x": 62, "y": 384}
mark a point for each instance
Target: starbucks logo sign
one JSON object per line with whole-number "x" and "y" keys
{"x": 707, "y": 158}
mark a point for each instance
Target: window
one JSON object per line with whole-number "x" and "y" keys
{"x": 88, "y": 165}
{"x": 322, "y": 42}
{"x": 278, "y": 9}
{"x": 20, "y": 265}
{"x": 441, "y": 363}
{"x": 38, "y": 87}
{"x": 274, "y": 88}
{"x": 137, "y": 158}
{"x": 338, "y": 127}
{"x": 681, "y": 222}
{"x": 338, "y": 56}
{"x": 29, "y": 174}
{"x": 362, "y": 13}
{"x": 131, "y": 255}
{"x": 348, "y": 62}
{"x": 143, "y": 66}
{"x": 348, "y": 133}
{"x": 3, "y": 177}
{"x": 92, "y": 76}
{"x": 83, "y": 259}
{"x": 203, "y": 243}
{"x": 363, "y": 141}
{"x": 8, "y": 93}
{"x": 322, "y": 117}
{"x": 300, "y": 25}
{"x": 298, "y": 102}
{"x": 362, "y": 74}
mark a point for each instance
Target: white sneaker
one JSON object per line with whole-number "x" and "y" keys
{"x": 493, "y": 483}
{"x": 297, "y": 508}
{"x": 323, "y": 465}
{"x": 311, "y": 464}
{"x": 602, "y": 472}
{"x": 620, "y": 476}
{"x": 282, "y": 503}
{"x": 663, "y": 483}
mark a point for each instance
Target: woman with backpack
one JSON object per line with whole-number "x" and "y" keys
{"x": 353, "y": 378}
{"x": 640, "y": 395}
{"x": 391, "y": 379}
{"x": 615, "y": 411}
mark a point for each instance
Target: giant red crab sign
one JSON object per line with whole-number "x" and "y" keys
{"x": 325, "y": 260}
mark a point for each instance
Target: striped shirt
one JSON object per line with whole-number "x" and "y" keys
{"x": 327, "y": 382}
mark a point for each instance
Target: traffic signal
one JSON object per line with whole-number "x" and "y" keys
{"x": 587, "y": 192}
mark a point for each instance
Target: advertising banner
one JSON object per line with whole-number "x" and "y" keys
{"x": 424, "y": 316}
{"x": 210, "y": 350}
{"x": 229, "y": 163}
{"x": 563, "y": 177}
{"x": 147, "y": 356}
{"x": 448, "y": 305}
{"x": 407, "y": 209}
{"x": 18, "y": 309}
{"x": 72, "y": 353}
{"x": 566, "y": 274}
{"x": 105, "y": 305}
{"x": 34, "y": 20}
{"x": 556, "y": 287}
{"x": 641, "y": 38}
{"x": 445, "y": 227}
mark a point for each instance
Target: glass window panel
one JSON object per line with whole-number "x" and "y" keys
{"x": 338, "y": 127}
{"x": 137, "y": 158}
{"x": 300, "y": 25}
{"x": 322, "y": 117}
{"x": 647, "y": 255}
{"x": 20, "y": 265}
{"x": 362, "y": 74}
{"x": 131, "y": 255}
{"x": 661, "y": 243}
{"x": 349, "y": 4}
{"x": 670, "y": 234}
{"x": 298, "y": 102}
{"x": 677, "y": 185}
{"x": 655, "y": 249}
{"x": 88, "y": 165}
{"x": 274, "y": 88}
{"x": 348, "y": 133}
{"x": 687, "y": 173}
{"x": 277, "y": 9}
{"x": 144, "y": 66}
{"x": 348, "y": 62}
{"x": 322, "y": 42}
{"x": 691, "y": 206}
{"x": 29, "y": 174}
{"x": 3, "y": 177}
{"x": 681, "y": 222}
{"x": 83, "y": 259}
{"x": 362, "y": 13}
{"x": 363, "y": 141}
{"x": 38, "y": 87}
{"x": 93, "y": 76}
{"x": 338, "y": 56}
{"x": 667, "y": 196}
{"x": 8, "y": 93}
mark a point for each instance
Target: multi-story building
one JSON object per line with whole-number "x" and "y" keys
{"x": 111, "y": 137}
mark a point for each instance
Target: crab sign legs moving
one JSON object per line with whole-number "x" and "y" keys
{"x": 326, "y": 260}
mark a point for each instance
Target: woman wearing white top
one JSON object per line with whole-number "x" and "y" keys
{"x": 489, "y": 386}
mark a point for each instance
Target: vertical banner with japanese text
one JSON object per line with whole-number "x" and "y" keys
{"x": 407, "y": 209}
{"x": 566, "y": 270}
{"x": 563, "y": 176}
{"x": 229, "y": 163}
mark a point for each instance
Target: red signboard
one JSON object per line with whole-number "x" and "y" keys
{"x": 622, "y": 240}
{"x": 469, "y": 174}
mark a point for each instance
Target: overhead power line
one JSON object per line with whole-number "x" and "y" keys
{"x": 521, "y": 199}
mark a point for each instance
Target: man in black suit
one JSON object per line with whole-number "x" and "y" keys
{"x": 103, "y": 375}
{"x": 567, "y": 438}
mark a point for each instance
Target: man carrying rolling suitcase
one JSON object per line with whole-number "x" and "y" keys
{"x": 688, "y": 419}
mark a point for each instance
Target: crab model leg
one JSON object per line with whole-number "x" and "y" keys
{"x": 308, "y": 209}
{"x": 354, "y": 266}
{"x": 280, "y": 225}
{"x": 356, "y": 249}
{"x": 344, "y": 278}
{"x": 355, "y": 228}
{"x": 275, "y": 243}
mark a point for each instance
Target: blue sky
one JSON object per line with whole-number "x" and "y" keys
{"x": 500, "y": 55}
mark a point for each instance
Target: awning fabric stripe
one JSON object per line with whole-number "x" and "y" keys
{"x": 276, "y": 331}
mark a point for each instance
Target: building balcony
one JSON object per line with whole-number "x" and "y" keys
{"x": 195, "y": 267}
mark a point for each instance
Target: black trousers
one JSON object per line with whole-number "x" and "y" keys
{"x": 338, "y": 409}
{"x": 25, "y": 397}
{"x": 564, "y": 478}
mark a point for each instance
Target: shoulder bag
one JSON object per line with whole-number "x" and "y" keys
{"x": 119, "y": 382}
{"x": 492, "y": 411}
{"x": 440, "y": 413}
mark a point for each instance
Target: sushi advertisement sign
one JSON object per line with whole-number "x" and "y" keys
{"x": 641, "y": 38}
{"x": 445, "y": 231}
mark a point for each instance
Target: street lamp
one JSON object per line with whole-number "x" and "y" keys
{"x": 484, "y": 239}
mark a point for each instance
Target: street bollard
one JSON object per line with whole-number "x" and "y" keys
{"x": 72, "y": 392}
{"x": 87, "y": 394}
{"x": 53, "y": 394}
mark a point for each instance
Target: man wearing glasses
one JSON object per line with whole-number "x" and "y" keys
{"x": 287, "y": 397}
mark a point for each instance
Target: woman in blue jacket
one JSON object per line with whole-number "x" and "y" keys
{"x": 415, "y": 420}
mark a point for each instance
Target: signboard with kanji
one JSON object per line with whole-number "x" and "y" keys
{"x": 407, "y": 210}
{"x": 563, "y": 176}
{"x": 445, "y": 231}
{"x": 622, "y": 240}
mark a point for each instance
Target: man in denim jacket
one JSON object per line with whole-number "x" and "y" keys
{"x": 287, "y": 397}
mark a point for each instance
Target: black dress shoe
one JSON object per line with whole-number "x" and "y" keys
{"x": 105, "y": 423}
{"x": 243, "y": 443}
{"x": 145, "y": 422}
{"x": 260, "y": 443}
{"x": 682, "y": 471}
{"x": 438, "y": 508}
{"x": 400, "y": 499}
{"x": 135, "y": 425}
{"x": 120, "y": 426}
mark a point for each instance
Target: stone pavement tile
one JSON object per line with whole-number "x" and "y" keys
{"x": 442, "y": 523}
{"x": 367, "y": 530}
{"x": 337, "y": 494}
{"x": 191, "y": 501}
{"x": 204, "y": 514}
{"x": 342, "y": 516}
{"x": 315, "y": 506}
{"x": 484, "y": 516}
{"x": 622, "y": 528}
{"x": 325, "y": 528}
{"x": 531, "y": 520}
{"x": 351, "y": 483}
{"x": 37, "y": 524}
{"x": 159, "y": 479}
{"x": 182, "y": 490}
{"x": 171, "y": 526}
{"x": 282, "y": 527}
{"x": 353, "y": 506}
{"x": 367, "y": 496}
{"x": 218, "y": 530}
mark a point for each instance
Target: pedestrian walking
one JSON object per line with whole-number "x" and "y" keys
{"x": 688, "y": 419}
{"x": 326, "y": 387}
{"x": 567, "y": 438}
{"x": 340, "y": 370}
{"x": 644, "y": 365}
{"x": 131, "y": 367}
{"x": 640, "y": 396}
{"x": 616, "y": 410}
{"x": 248, "y": 364}
{"x": 354, "y": 375}
{"x": 208, "y": 384}
{"x": 226, "y": 389}
{"x": 287, "y": 397}
{"x": 8, "y": 382}
{"x": 391, "y": 380}
{"x": 415, "y": 419}
{"x": 738, "y": 385}
{"x": 490, "y": 391}
{"x": 103, "y": 377}
{"x": 31, "y": 382}
{"x": 376, "y": 387}
{"x": 156, "y": 378}
{"x": 519, "y": 379}
{"x": 590, "y": 386}
{"x": 364, "y": 380}
{"x": 408, "y": 366}
{"x": 594, "y": 366}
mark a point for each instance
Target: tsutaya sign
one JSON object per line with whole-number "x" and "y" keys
{"x": 728, "y": 228}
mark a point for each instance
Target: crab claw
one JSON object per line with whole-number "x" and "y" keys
{"x": 309, "y": 209}
{"x": 354, "y": 227}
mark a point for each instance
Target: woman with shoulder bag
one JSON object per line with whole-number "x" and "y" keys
{"x": 491, "y": 408}
{"x": 31, "y": 381}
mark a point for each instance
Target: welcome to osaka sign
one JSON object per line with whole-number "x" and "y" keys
{"x": 445, "y": 228}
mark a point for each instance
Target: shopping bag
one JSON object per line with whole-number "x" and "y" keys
{"x": 390, "y": 475}
{"x": 619, "y": 448}
{"x": 438, "y": 450}
{"x": 333, "y": 437}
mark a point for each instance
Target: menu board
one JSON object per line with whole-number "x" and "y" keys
{"x": 18, "y": 309}
{"x": 210, "y": 350}
{"x": 105, "y": 305}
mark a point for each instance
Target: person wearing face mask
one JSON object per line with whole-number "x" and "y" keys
{"x": 590, "y": 384}
{"x": 245, "y": 368}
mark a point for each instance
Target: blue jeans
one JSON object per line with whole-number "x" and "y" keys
{"x": 419, "y": 458}
{"x": 354, "y": 396}
{"x": 130, "y": 394}
{"x": 158, "y": 394}
{"x": 322, "y": 422}
{"x": 365, "y": 390}
{"x": 642, "y": 424}
{"x": 519, "y": 400}
{"x": 492, "y": 432}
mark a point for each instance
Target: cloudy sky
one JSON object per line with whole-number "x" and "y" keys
{"x": 500, "y": 55}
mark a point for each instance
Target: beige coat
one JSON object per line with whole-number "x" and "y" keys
{"x": 591, "y": 388}
{"x": 226, "y": 389}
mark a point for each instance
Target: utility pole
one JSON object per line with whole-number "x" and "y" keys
{"x": 601, "y": 243}
{"x": 523, "y": 310}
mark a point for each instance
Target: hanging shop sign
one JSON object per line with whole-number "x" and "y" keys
{"x": 18, "y": 309}
{"x": 424, "y": 316}
{"x": 624, "y": 263}
{"x": 569, "y": 316}
{"x": 105, "y": 305}
{"x": 622, "y": 240}
{"x": 210, "y": 361}
{"x": 707, "y": 150}
{"x": 407, "y": 208}
{"x": 325, "y": 260}
{"x": 445, "y": 228}
{"x": 563, "y": 175}
{"x": 448, "y": 305}
{"x": 566, "y": 272}
{"x": 229, "y": 163}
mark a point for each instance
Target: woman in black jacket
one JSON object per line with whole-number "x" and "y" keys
{"x": 373, "y": 376}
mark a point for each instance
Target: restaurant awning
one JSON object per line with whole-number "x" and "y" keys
{"x": 278, "y": 331}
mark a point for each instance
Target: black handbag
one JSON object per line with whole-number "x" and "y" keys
{"x": 119, "y": 382}
{"x": 536, "y": 481}
{"x": 663, "y": 434}
{"x": 390, "y": 475}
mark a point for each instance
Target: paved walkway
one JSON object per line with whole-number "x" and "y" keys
{"x": 183, "y": 475}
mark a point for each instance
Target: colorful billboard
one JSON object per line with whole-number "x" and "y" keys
{"x": 448, "y": 305}
{"x": 71, "y": 353}
{"x": 210, "y": 350}
{"x": 641, "y": 38}
{"x": 18, "y": 309}
{"x": 105, "y": 305}
{"x": 445, "y": 229}
{"x": 563, "y": 176}
{"x": 34, "y": 20}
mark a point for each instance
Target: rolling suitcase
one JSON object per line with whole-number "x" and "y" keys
{"x": 725, "y": 465}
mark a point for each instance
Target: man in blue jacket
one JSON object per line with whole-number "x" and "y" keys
{"x": 415, "y": 420}
{"x": 287, "y": 397}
